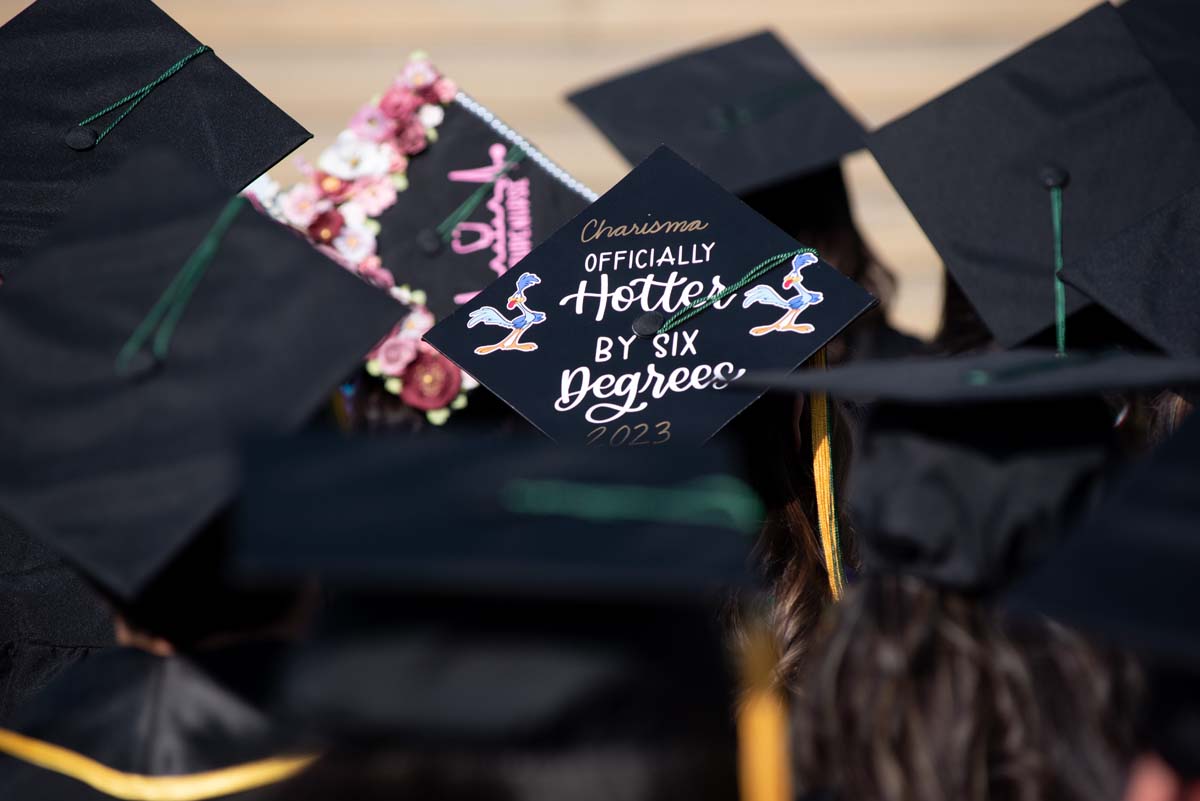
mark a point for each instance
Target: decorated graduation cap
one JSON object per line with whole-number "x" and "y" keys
{"x": 163, "y": 320}
{"x": 1125, "y": 575}
{"x": 971, "y": 467}
{"x": 1146, "y": 276}
{"x": 428, "y": 195}
{"x": 126, "y": 724}
{"x": 746, "y": 112}
{"x": 535, "y": 595}
{"x": 1029, "y": 165}
{"x": 86, "y": 84}
{"x": 626, "y": 327}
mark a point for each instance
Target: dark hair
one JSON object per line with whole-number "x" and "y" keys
{"x": 918, "y": 693}
{"x": 776, "y": 436}
{"x": 814, "y": 209}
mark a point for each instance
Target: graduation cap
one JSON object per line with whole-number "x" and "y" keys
{"x": 162, "y": 321}
{"x": 1029, "y": 165}
{"x": 626, "y": 326}
{"x": 745, "y": 112}
{"x": 428, "y": 194}
{"x": 126, "y": 724}
{"x": 1125, "y": 575}
{"x": 86, "y": 84}
{"x": 1145, "y": 276}
{"x": 535, "y": 597}
{"x": 971, "y": 467}
{"x": 497, "y": 514}
{"x": 1169, "y": 34}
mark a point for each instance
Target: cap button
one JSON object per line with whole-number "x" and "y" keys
{"x": 141, "y": 366}
{"x": 80, "y": 138}
{"x": 648, "y": 324}
{"x": 429, "y": 241}
{"x": 1053, "y": 176}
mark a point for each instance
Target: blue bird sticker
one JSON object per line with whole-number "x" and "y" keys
{"x": 490, "y": 315}
{"x": 794, "y": 305}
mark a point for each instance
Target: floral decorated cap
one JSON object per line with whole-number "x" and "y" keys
{"x": 120, "y": 77}
{"x": 429, "y": 196}
{"x": 745, "y": 112}
{"x": 160, "y": 322}
{"x": 1024, "y": 169}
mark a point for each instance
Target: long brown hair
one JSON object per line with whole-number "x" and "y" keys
{"x": 917, "y": 693}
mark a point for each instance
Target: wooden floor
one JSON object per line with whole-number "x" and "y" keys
{"x": 320, "y": 60}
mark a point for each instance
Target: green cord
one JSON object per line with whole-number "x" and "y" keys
{"x": 757, "y": 271}
{"x": 164, "y": 317}
{"x": 139, "y": 95}
{"x": 468, "y": 206}
{"x": 716, "y": 500}
{"x": 1060, "y": 291}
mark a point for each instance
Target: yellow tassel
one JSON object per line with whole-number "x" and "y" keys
{"x": 823, "y": 484}
{"x": 137, "y": 787}
{"x": 764, "y": 767}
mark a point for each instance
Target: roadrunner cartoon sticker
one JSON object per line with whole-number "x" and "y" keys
{"x": 490, "y": 315}
{"x": 795, "y": 306}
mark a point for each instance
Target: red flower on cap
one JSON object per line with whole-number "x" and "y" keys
{"x": 430, "y": 382}
{"x": 332, "y": 187}
{"x": 400, "y": 103}
{"x": 326, "y": 227}
{"x": 412, "y": 139}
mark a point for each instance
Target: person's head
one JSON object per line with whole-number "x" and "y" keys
{"x": 776, "y": 433}
{"x": 815, "y": 211}
{"x": 916, "y": 693}
{"x": 192, "y": 605}
{"x": 1167, "y": 767}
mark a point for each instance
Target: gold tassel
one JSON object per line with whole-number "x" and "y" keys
{"x": 823, "y": 484}
{"x": 764, "y": 765}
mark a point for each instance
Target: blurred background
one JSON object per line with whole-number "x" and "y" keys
{"x": 321, "y": 59}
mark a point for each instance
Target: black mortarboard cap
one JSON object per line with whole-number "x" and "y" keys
{"x": 971, "y": 467}
{"x": 528, "y": 595}
{"x": 1146, "y": 276}
{"x": 65, "y": 60}
{"x": 502, "y": 514}
{"x": 602, "y": 335}
{"x": 126, "y": 724}
{"x": 1169, "y": 34}
{"x": 746, "y": 112}
{"x": 117, "y": 464}
{"x": 1126, "y": 576}
{"x": 1127, "y": 570}
{"x": 979, "y": 165}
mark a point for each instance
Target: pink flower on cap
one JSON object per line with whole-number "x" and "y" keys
{"x": 375, "y": 196}
{"x": 412, "y": 139}
{"x": 372, "y": 124}
{"x": 445, "y": 90}
{"x": 301, "y": 204}
{"x": 392, "y": 355}
{"x": 400, "y": 102}
{"x": 419, "y": 73}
